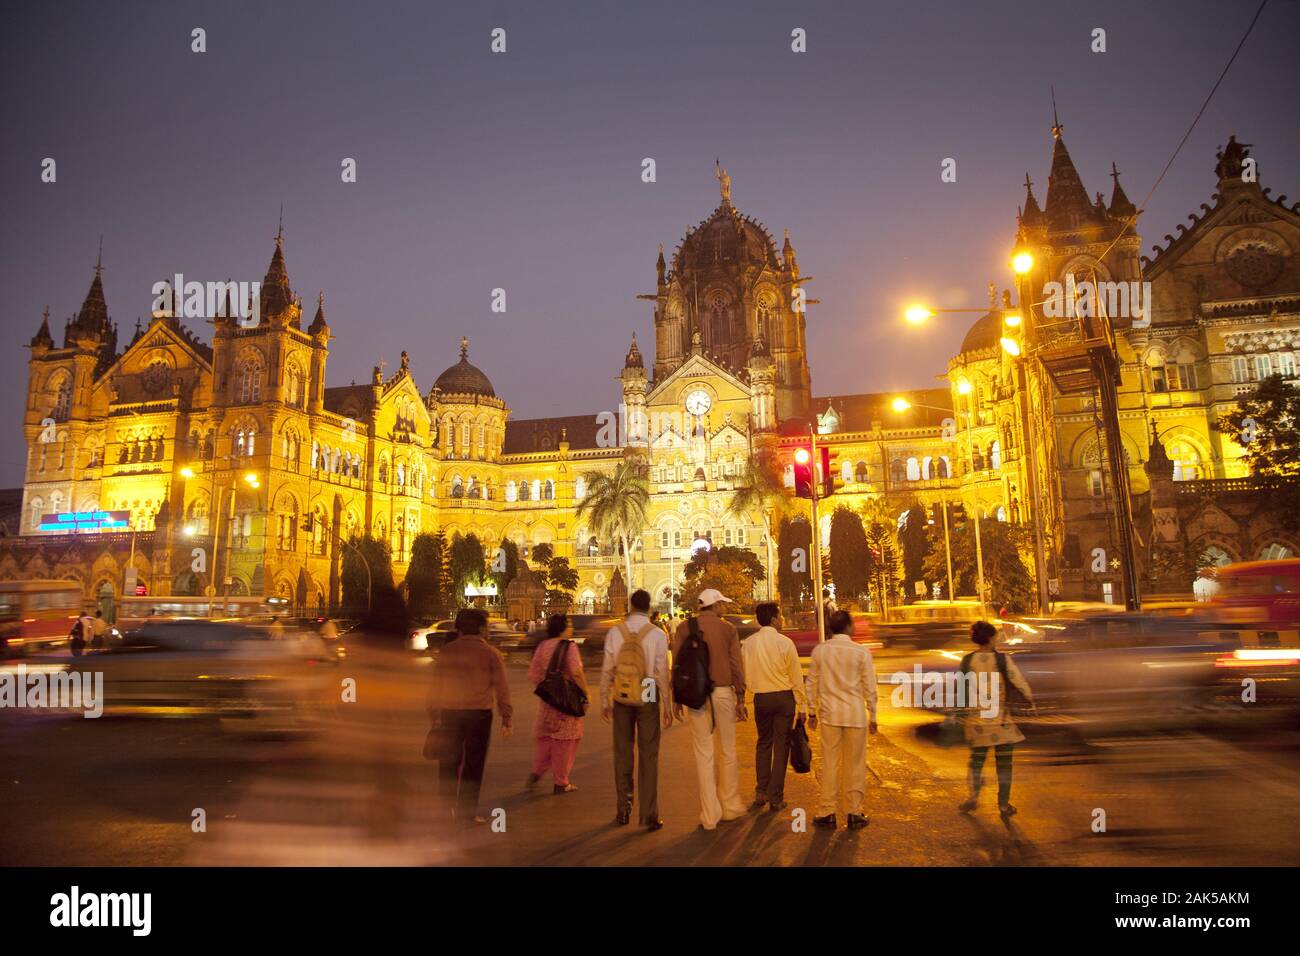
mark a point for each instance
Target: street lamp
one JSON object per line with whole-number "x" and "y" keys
{"x": 1022, "y": 262}
{"x": 917, "y": 314}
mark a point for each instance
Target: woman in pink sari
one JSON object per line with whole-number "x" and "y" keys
{"x": 557, "y": 734}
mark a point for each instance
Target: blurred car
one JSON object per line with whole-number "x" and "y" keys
{"x": 589, "y": 632}
{"x": 1105, "y": 672}
{"x": 745, "y": 624}
{"x": 806, "y": 636}
{"x": 422, "y": 639}
{"x": 231, "y": 671}
{"x": 928, "y": 623}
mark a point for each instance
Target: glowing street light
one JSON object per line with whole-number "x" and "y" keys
{"x": 190, "y": 530}
{"x": 1022, "y": 262}
{"x": 1010, "y": 346}
{"x": 1012, "y": 319}
{"x": 900, "y": 405}
{"x": 802, "y": 456}
{"x": 964, "y": 386}
{"x": 187, "y": 472}
{"x": 917, "y": 314}
{"x": 251, "y": 479}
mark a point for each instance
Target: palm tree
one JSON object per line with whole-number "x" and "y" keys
{"x": 761, "y": 489}
{"x": 616, "y": 505}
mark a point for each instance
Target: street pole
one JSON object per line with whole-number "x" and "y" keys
{"x": 947, "y": 545}
{"x": 816, "y": 537}
{"x": 979, "y": 548}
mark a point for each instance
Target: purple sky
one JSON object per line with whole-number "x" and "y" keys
{"x": 522, "y": 170}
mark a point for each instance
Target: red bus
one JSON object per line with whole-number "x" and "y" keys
{"x": 37, "y": 615}
{"x": 1262, "y": 593}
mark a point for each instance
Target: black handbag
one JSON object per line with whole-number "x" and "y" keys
{"x": 560, "y": 691}
{"x": 800, "y": 748}
{"x": 437, "y": 743}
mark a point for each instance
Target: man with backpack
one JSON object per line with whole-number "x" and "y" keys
{"x": 993, "y": 727}
{"x": 709, "y": 687}
{"x": 635, "y": 696}
{"x": 842, "y": 698}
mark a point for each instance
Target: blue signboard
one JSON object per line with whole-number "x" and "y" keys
{"x": 85, "y": 521}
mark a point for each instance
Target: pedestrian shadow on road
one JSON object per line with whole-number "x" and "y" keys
{"x": 1004, "y": 843}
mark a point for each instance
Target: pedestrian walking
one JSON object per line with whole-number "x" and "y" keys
{"x": 774, "y": 677}
{"x": 98, "y": 630}
{"x": 277, "y": 629}
{"x": 710, "y": 643}
{"x": 556, "y": 734}
{"x": 842, "y": 703}
{"x": 992, "y": 727}
{"x": 635, "y": 697}
{"x": 469, "y": 678}
{"x": 329, "y": 631}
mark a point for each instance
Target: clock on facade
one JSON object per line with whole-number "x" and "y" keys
{"x": 698, "y": 402}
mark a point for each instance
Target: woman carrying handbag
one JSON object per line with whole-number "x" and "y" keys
{"x": 561, "y": 688}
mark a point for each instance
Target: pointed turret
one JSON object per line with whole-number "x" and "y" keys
{"x": 661, "y": 267}
{"x": 1158, "y": 463}
{"x": 1067, "y": 201}
{"x": 634, "y": 359}
{"x": 92, "y": 320}
{"x": 42, "y": 339}
{"x": 787, "y": 253}
{"x": 318, "y": 324}
{"x": 1120, "y": 207}
{"x": 276, "y": 296}
{"x": 1032, "y": 216}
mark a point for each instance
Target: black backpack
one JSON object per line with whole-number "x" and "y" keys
{"x": 691, "y": 684}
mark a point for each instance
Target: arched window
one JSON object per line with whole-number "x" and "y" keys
{"x": 926, "y": 471}
{"x": 1187, "y": 462}
{"x": 457, "y": 487}
{"x": 537, "y": 489}
{"x": 1001, "y": 513}
{"x": 401, "y": 474}
{"x": 942, "y": 468}
{"x": 511, "y": 493}
{"x": 383, "y": 471}
{"x": 548, "y": 490}
{"x": 995, "y": 455}
{"x": 860, "y": 472}
{"x": 38, "y": 509}
{"x": 897, "y": 471}
{"x": 913, "y": 470}
{"x": 250, "y": 381}
{"x": 1272, "y": 552}
{"x": 471, "y": 488}
{"x": 62, "y": 398}
{"x": 524, "y": 491}
{"x": 846, "y": 470}
{"x": 579, "y": 487}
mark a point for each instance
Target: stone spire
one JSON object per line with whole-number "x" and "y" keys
{"x": 787, "y": 254}
{"x": 661, "y": 267}
{"x": 42, "y": 338}
{"x": 92, "y": 320}
{"x": 634, "y": 359}
{"x": 1120, "y": 207}
{"x": 1067, "y": 204}
{"x": 1158, "y": 463}
{"x": 318, "y": 324}
{"x": 276, "y": 296}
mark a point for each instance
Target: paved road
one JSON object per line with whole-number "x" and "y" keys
{"x": 124, "y": 791}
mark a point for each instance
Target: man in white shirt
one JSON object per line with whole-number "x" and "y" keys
{"x": 841, "y": 679}
{"x": 636, "y": 724}
{"x": 773, "y": 674}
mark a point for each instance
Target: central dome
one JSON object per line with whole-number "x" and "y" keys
{"x": 984, "y": 334}
{"x": 727, "y": 235}
{"x": 464, "y": 378}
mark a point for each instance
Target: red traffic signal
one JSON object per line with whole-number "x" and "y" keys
{"x": 803, "y": 472}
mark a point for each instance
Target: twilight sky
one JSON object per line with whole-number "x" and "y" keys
{"x": 522, "y": 170}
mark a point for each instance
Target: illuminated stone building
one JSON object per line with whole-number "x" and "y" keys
{"x": 242, "y": 471}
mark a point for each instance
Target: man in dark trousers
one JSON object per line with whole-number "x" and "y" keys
{"x": 774, "y": 677}
{"x": 635, "y": 696}
{"x": 469, "y": 677}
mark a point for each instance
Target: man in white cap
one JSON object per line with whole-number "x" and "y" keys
{"x": 718, "y": 712}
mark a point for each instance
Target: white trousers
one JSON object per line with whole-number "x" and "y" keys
{"x": 844, "y": 768}
{"x": 720, "y": 795}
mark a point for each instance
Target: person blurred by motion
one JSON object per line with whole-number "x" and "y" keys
{"x": 469, "y": 678}
{"x": 709, "y": 641}
{"x": 773, "y": 675}
{"x": 842, "y": 701}
{"x": 635, "y": 695}
{"x": 556, "y": 733}
{"x": 992, "y": 727}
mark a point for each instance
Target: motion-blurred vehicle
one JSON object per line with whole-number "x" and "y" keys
{"x": 801, "y": 628}
{"x": 589, "y": 632}
{"x": 745, "y": 624}
{"x": 1104, "y": 672}
{"x": 927, "y": 623}
{"x": 1265, "y": 594}
{"x": 422, "y": 639}
{"x": 239, "y": 674}
{"x": 133, "y": 611}
{"x": 37, "y": 616}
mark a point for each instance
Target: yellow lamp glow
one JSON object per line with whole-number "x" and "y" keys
{"x": 964, "y": 386}
{"x": 1022, "y": 262}
{"x": 1010, "y": 346}
{"x": 1012, "y": 319}
{"x": 251, "y": 479}
{"x": 189, "y": 531}
{"x": 900, "y": 404}
{"x": 801, "y": 455}
{"x": 187, "y": 472}
{"x": 917, "y": 314}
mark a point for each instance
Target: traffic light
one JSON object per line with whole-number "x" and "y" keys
{"x": 830, "y": 463}
{"x": 803, "y": 471}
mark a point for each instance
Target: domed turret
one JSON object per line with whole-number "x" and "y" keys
{"x": 464, "y": 378}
